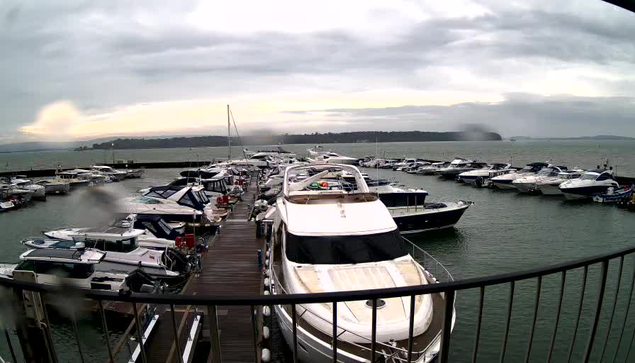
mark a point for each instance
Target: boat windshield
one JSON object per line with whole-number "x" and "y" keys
{"x": 545, "y": 172}
{"x": 333, "y": 250}
{"x": 589, "y": 177}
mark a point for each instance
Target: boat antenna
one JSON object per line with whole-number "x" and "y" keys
{"x": 229, "y": 136}
{"x": 376, "y": 161}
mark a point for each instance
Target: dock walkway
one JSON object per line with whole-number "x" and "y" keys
{"x": 230, "y": 267}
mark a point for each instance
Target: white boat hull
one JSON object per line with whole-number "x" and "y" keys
{"x": 547, "y": 189}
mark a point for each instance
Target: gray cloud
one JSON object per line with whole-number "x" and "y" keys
{"x": 102, "y": 55}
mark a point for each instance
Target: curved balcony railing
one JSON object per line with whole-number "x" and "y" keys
{"x": 592, "y": 291}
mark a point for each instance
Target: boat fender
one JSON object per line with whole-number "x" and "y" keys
{"x": 267, "y": 262}
{"x": 266, "y": 311}
{"x": 266, "y": 281}
{"x": 267, "y": 292}
{"x": 266, "y": 355}
{"x": 265, "y": 332}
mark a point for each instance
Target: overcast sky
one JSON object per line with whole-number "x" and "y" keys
{"x": 87, "y": 69}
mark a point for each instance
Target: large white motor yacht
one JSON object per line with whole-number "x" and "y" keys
{"x": 328, "y": 239}
{"x": 506, "y": 181}
{"x": 330, "y": 157}
{"x": 550, "y": 186}
{"x": 116, "y": 175}
{"x": 590, "y": 183}
{"x": 474, "y": 177}
{"x": 529, "y": 183}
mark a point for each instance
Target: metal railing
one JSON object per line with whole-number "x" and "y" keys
{"x": 39, "y": 295}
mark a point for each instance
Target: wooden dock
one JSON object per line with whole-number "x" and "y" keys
{"x": 230, "y": 267}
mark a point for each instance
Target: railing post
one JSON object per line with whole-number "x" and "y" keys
{"x": 214, "y": 335}
{"x": 373, "y": 334}
{"x": 294, "y": 321}
{"x": 628, "y": 305}
{"x": 411, "y": 326}
{"x": 533, "y": 324}
{"x": 577, "y": 320}
{"x": 617, "y": 293}
{"x": 177, "y": 343}
{"x": 555, "y": 328}
{"x": 478, "y": 323}
{"x": 512, "y": 286}
{"x": 334, "y": 331}
{"x": 598, "y": 310}
{"x": 144, "y": 359}
{"x": 448, "y": 313}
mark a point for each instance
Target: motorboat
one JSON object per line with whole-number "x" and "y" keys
{"x": 6, "y": 206}
{"x": 75, "y": 178}
{"x": 549, "y": 186}
{"x": 529, "y": 183}
{"x": 479, "y": 176}
{"x": 330, "y": 157}
{"x": 433, "y": 168}
{"x": 17, "y": 196}
{"x": 619, "y": 196}
{"x": 590, "y": 183}
{"x": 39, "y": 192}
{"x": 505, "y": 181}
{"x": 54, "y": 186}
{"x": 413, "y": 214}
{"x": 328, "y": 239}
{"x": 134, "y": 173}
{"x": 174, "y": 204}
{"x": 414, "y": 168}
{"x": 146, "y": 231}
{"x": 116, "y": 175}
{"x": 75, "y": 268}
{"x": 458, "y": 166}
{"x": 278, "y": 152}
{"x": 122, "y": 255}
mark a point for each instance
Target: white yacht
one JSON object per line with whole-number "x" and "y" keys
{"x": 54, "y": 186}
{"x": 505, "y": 181}
{"x": 123, "y": 255}
{"x": 550, "y": 186}
{"x": 327, "y": 239}
{"x": 474, "y": 177}
{"x": 155, "y": 234}
{"x": 39, "y": 192}
{"x": 174, "y": 204}
{"x": 458, "y": 166}
{"x": 330, "y": 157}
{"x": 432, "y": 168}
{"x": 71, "y": 267}
{"x": 590, "y": 183}
{"x": 116, "y": 175}
{"x": 529, "y": 183}
{"x": 75, "y": 178}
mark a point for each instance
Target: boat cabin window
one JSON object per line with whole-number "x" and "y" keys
{"x": 344, "y": 249}
{"x": 63, "y": 244}
{"x": 589, "y": 177}
{"x": 145, "y": 200}
{"x": 126, "y": 245}
{"x": 66, "y": 270}
{"x": 604, "y": 177}
{"x": 25, "y": 266}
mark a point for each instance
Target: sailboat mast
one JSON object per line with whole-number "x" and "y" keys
{"x": 229, "y": 136}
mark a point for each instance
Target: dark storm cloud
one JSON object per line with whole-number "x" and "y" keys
{"x": 102, "y": 55}
{"x": 518, "y": 114}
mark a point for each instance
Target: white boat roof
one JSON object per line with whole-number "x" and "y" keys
{"x": 64, "y": 255}
{"x": 335, "y": 219}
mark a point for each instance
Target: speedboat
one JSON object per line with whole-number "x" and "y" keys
{"x": 134, "y": 173}
{"x": 549, "y": 186}
{"x": 529, "y": 183}
{"x": 54, "y": 186}
{"x": 116, "y": 175}
{"x": 413, "y": 215}
{"x": 477, "y": 176}
{"x": 330, "y": 157}
{"x": 76, "y": 268}
{"x": 354, "y": 244}
{"x": 416, "y": 166}
{"x": 39, "y": 192}
{"x": 432, "y": 168}
{"x": 122, "y": 255}
{"x": 590, "y": 183}
{"x": 506, "y": 181}
{"x": 458, "y": 166}
{"x": 74, "y": 178}
{"x": 174, "y": 204}
{"x": 153, "y": 232}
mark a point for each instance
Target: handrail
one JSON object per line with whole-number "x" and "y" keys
{"x": 325, "y": 297}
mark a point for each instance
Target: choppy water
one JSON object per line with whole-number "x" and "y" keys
{"x": 582, "y": 153}
{"x": 502, "y": 232}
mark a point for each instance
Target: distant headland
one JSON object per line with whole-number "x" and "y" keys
{"x": 314, "y": 138}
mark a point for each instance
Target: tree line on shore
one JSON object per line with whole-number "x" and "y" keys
{"x": 315, "y": 138}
